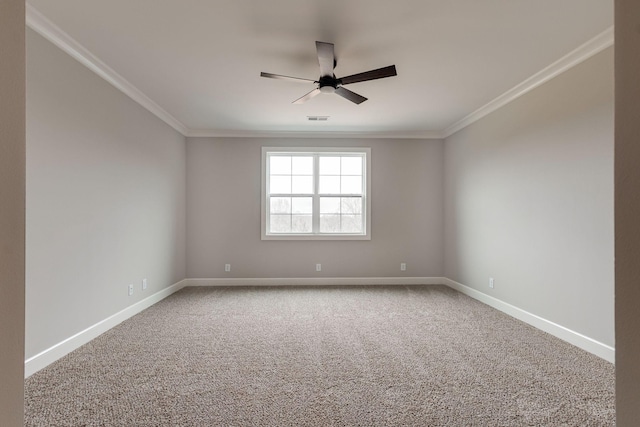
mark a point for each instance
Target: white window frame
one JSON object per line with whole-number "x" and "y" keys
{"x": 366, "y": 215}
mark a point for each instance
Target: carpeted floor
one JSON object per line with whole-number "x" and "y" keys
{"x": 323, "y": 356}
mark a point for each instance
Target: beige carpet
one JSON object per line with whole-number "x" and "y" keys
{"x": 334, "y": 356}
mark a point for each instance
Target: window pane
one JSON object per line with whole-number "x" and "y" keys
{"x": 301, "y": 224}
{"x": 329, "y": 223}
{"x": 302, "y": 205}
{"x": 329, "y": 205}
{"x": 280, "y": 165}
{"x": 281, "y": 205}
{"x": 280, "y": 185}
{"x": 280, "y": 224}
{"x": 351, "y": 223}
{"x": 351, "y": 205}
{"x": 329, "y": 165}
{"x": 329, "y": 185}
{"x": 351, "y": 185}
{"x": 302, "y": 184}
{"x": 351, "y": 166}
{"x": 302, "y": 165}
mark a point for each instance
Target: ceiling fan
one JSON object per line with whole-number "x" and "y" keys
{"x": 328, "y": 83}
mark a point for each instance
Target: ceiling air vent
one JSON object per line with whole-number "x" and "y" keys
{"x": 318, "y": 118}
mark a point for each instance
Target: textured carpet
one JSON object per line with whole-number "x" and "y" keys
{"x": 330, "y": 356}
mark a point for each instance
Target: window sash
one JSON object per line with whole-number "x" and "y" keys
{"x": 316, "y": 214}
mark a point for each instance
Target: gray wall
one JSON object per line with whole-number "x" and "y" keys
{"x": 105, "y": 198}
{"x": 529, "y": 201}
{"x": 12, "y": 183}
{"x": 223, "y": 213}
{"x": 627, "y": 207}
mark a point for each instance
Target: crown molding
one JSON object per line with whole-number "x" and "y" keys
{"x": 50, "y": 31}
{"x": 43, "y": 26}
{"x": 570, "y": 60}
{"x": 208, "y": 133}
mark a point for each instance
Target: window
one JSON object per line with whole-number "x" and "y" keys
{"x": 316, "y": 193}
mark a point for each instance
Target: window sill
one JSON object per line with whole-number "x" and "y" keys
{"x": 316, "y": 237}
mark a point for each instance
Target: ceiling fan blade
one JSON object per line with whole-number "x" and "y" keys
{"x": 326, "y": 58}
{"x": 307, "y": 97}
{"x": 380, "y": 73}
{"x": 351, "y": 96}
{"x": 280, "y": 77}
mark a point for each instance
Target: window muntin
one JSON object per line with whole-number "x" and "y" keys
{"x": 315, "y": 193}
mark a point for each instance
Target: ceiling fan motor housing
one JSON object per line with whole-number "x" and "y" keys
{"x": 328, "y": 84}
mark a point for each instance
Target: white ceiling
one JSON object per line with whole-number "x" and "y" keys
{"x": 200, "y": 60}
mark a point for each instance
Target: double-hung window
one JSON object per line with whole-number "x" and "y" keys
{"x": 316, "y": 193}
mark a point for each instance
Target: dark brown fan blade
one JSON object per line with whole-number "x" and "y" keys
{"x": 326, "y": 58}
{"x": 280, "y": 77}
{"x": 380, "y": 73}
{"x": 307, "y": 97}
{"x": 351, "y": 96}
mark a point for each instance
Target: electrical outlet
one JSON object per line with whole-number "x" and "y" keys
{"x": 144, "y": 284}
{"x": 318, "y": 267}
{"x": 491, "y": 282}
{"x": 403, "y": 266}
{"x": 131, "y": 289}
{"x": 227, "y": 267}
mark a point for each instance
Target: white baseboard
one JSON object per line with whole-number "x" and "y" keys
{"x": 50, "y": 355}
{"x": 317, "y": 281}
{"x": 604, "y": 351}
